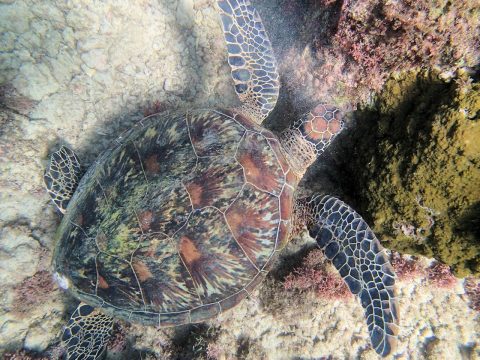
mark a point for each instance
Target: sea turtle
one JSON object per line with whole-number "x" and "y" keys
{"x": 181, "y": 218}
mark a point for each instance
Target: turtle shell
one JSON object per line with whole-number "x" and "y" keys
{"x": 179, "y": 220}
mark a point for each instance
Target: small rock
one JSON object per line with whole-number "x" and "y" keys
{"x": 68, "y": 37}
{"x": 172, "y": 85}
{"x": 89, "y": 71}
{"x": 94, "y": 42}
{"x": 104, "y": 78}
{"x": 96, "y": 59}
{"x": 53, "y": 42}
{"x": 12, "y": 330}
{"x": 37, "y": 339}
{"x": 29, "y": 40}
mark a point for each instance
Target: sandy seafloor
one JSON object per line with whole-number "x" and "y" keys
{"x": 80, "y": 72}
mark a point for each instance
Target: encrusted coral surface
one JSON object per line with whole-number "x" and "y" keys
{"x": 351, "y": 47}
{"x": 415, "y": 156}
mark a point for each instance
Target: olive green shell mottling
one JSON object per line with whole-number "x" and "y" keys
{"x": 179, "y": 220}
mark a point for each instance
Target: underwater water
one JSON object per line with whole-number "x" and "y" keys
{"x": 405, "y": 76}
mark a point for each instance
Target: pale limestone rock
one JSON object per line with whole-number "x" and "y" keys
{"x": 96, "y": 59}
{"x": 29, "y": 40}
{"x": 8, "y": 64}
{"x": 104, "y": 78}
{"x": 53, "y": 42}
{"x": 68, "y": 37}
{"x": 35, "y": 81}
{"x": 47, "y": 328}
{"x": 18, "y": 255}
{"x": 12, "y": 331}
{"x": 64, "y": 66}
{"x": 36, "y": 340}
{"x": 44, "y": 10}
{"x": 81, "y": 18}
{"x": 24, "y": 55}
{"x": 59, "y": 107}
{"x": 7, "y": 41}
{"x": 15, "y": 17}
{"x": 88, "y": 70}
{"x": 185, "y": 13}
{"x": 94, "y": 42}
{"x": 39, "y": 27}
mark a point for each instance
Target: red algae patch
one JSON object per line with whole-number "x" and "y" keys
{"x": 313, "y": 275}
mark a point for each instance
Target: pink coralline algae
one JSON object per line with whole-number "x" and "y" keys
{"x": 472, "y": 290}
{"x": 440, "y": 275}
{"x": 33, "y": 290}
{"x": 406, "y": 268}
{"x": 359, "y": 43}
{"x": 313, "y": 275}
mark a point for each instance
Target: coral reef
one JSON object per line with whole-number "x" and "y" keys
{"x": 415, "y": 156}
{"x": 79, "y": 74}
{"x": 353, "y": 46}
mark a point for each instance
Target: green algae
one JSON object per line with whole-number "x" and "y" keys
{"x": 416, "y": 165}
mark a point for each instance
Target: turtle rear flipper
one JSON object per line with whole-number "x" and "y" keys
{"x": 86, "y": 334}
{"x": 251, "y": 58}
{"x": 350, "y": 244}
{"x": 62, "y": 176}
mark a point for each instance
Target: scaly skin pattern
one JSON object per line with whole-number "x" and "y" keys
{"x": 310, "y": 135}
{"x": 251, "y": 58}
{"x": 179, "y": 220}
{"x": 89, "y": 327}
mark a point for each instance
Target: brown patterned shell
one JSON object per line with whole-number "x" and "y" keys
{"x": 179, "y": 220}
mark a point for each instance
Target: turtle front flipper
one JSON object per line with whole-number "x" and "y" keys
{"x": 350, "y": 244}
{"x": 62, "y": 176}
{"x": 251, "y": 58}
{"x": 86, "y": 334}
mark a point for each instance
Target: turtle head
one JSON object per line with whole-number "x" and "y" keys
{"x": 310, "y": 135}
